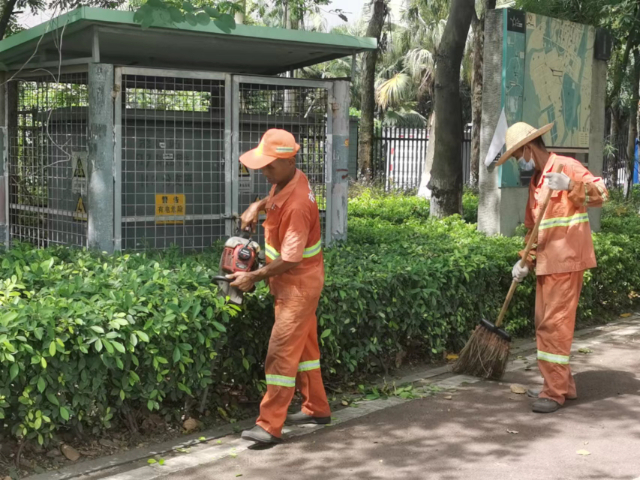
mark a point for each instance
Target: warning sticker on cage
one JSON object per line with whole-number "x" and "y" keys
{"x": 245, "y": 180}
{"x": 169, "y": 207}
{"x": 81, "y": 213}
{"x": 78, "y": 167}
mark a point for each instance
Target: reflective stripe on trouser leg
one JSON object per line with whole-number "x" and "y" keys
{"x": 314, "y": 397}
{"x": 311, "y": 365}
{"x": 556, "y": 303}
{"x": 295, "y": 319}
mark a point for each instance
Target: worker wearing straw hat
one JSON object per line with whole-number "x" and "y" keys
{"x": 561, "y": 254}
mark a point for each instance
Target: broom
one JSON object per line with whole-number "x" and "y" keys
{"x": 487, "y": 352}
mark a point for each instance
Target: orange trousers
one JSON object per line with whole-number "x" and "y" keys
{"x": 556, "y": 304}
{"x": 293, "y": 360}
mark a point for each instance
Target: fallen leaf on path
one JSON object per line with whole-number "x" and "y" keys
{"x": 202, "y": 439}
{"x": 219, "y": 442}
{"x": 448, "y": 397}
{"x": 190, "y": 424}
{"x": 233, "y": 455}
{"x": 625, "y": 315}
{"x": 519, "y": 389}
{"x": 452, "y": 356}
{"x": 239, "y": 475}
{"x": 161, "y": 461}
{"x": 585, "y": 350}
{"x": 345, "y": 403}
{"x": 583, "y": 452}
{"x": 151, "y": 461}
{"x": 183, "y": 450}
{"x": 513, "y": 432}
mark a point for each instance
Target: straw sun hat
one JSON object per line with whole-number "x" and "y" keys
{"x": 518, "y": 135}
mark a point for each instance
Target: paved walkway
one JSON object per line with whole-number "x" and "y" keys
{"x": 479, "y": 431}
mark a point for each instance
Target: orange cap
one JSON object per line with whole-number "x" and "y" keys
{"x": 275, "y": 144}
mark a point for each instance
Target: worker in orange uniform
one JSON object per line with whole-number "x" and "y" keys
{"x": 295, "y": 273}
{"x": 563, "y": 251}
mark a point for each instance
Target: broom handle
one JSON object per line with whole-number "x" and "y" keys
{"x": 532, "y": 238}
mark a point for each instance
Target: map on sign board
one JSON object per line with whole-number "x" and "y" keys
{"x": 557, "y": 79}
{"x": 245, "y": 180}
{"x": 169, "y": 208}
{"x": 547, "y": 68}
{"x": 79, "y": 175}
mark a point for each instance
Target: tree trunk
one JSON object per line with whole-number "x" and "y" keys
{"x": 239, "y": 16}
{"x": 446, "y": 174}
{"x": 476, "y": 97}
{"x": 633, "y": 123}
{"x": 476, "y": 90}
{"x": 7, "y": 11}
{"x": 423, "y": 190}
{"x": 368, "y": 101}
{"x": 615, "y": 134}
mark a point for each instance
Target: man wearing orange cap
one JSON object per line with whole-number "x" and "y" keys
{"x": 563, "y": 251}
{"x": 295, "y": 271}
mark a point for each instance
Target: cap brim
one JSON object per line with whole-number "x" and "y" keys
{"x": 509, "y": 153}
{"x": 255, "y": 161}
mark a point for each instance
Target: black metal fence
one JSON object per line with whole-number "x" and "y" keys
{"x": 615, "y": 164}
{"x": 399, "y": 156}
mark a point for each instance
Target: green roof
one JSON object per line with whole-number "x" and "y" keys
{"x": 247, "y": 49}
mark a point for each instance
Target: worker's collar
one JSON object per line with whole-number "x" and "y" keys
{"x": 550, "y": 163}
{"x": 548, "y": 168}
{"x": 277, "y": 200}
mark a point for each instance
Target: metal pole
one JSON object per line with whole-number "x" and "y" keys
{"x": 100, "y": 206}
{"x": 117, "y": 166}
{"x": 4, "y": 166}
{"x": 340, "y": 160}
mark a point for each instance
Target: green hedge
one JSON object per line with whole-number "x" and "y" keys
{"x": 85, "y": 339}
{"x": 398, "y": 208}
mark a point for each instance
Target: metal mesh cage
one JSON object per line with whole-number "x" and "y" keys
{"x": 173, "y": 162}
{"x": 301, "y": 110}
{"x": 47, "y": 120}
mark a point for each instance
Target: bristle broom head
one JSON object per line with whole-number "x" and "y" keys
{"x": 485, "y": 355}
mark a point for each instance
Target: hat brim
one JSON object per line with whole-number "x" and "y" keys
{"x": 532, "y": 136}
{"x": 255, "y": 161}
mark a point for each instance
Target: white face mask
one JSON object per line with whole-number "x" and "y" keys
{"x": 525, "y": 165}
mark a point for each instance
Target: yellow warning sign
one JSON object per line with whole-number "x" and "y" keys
{"x": 79, "y": 170}
{"x": 244, "y": 171}
{"x": 80, "y": 214}
{"x": 168, "y": 207}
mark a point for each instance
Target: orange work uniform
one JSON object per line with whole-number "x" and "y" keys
{"x": 292, "y": 231}
{"x": 563, "y": 251}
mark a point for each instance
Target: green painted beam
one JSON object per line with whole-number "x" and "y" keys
{"x": 85, "y": 16}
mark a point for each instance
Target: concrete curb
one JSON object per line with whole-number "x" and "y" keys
{"x": 204, "y": 453}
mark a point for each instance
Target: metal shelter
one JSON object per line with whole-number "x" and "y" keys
{"x": 119, "y": 138}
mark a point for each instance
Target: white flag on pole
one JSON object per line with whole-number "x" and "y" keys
{"x": 499, "y": 139}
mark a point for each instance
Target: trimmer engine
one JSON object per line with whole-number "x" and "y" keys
{"x": 240, "y": 254}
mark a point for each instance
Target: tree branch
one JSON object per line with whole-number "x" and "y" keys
{"x": 7, "y": 12}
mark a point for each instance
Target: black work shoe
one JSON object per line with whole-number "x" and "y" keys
{"x": 535, "y": 393}
{"x": 302, "y": 418}
{"x": 260, "y": 435}
{"x": 545, "y": 405}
